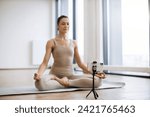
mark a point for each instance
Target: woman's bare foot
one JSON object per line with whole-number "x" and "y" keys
{"x": 53, "y": 78}
{"x": 63, "y": 81}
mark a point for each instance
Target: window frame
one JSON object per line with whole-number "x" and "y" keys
{"x": 119, "y": 70}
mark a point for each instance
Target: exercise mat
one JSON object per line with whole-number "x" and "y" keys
{"x": 32, "y": 90}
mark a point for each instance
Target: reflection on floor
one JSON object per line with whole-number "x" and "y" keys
{"x": 135, "y": 88}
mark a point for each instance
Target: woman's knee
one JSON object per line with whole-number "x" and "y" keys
{"x": 98, "y": 82}
{"x": 40, "y": 85}
{"x": 47, "y": 83}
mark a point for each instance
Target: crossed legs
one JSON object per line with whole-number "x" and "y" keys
{"x": 49, "y": 82}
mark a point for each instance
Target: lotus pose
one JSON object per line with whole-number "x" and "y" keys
{"x": 61, "y": 73}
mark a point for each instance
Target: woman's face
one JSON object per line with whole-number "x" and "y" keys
{"x": 63, "y": 25}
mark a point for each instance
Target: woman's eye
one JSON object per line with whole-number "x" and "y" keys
{"x": 65, "y": 23}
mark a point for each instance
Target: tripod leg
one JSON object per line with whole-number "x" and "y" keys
{"x": 93, "y": 89}
{"x": 88, "y": 94}
{"x": 95, "y": 94}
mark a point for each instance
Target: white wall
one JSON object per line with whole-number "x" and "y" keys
{"x": 21, "y": 22}
{"x": 24, "y": 21}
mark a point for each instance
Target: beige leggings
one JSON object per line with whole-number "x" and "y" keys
{"x": 82, "y": 81}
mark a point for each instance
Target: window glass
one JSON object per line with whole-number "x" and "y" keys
{"x": 126, "y": 33}
{"x": 135, "y": 33}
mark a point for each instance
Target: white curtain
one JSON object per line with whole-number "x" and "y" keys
{"x": 93, "y": 30}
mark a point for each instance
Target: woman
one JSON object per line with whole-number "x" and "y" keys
{"x": 61, "y": 74}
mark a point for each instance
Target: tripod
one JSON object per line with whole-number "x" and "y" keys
{"x": 94, "y": 67}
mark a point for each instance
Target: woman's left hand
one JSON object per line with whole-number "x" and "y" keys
{"x": 100, "y": 75}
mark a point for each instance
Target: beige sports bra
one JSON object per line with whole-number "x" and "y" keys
{"x": 63, "y": 59}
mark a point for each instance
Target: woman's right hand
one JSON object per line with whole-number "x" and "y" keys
{"x": 36, "y": 76}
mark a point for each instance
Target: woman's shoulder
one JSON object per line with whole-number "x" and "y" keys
{"x": 50, "y": 42}
{"x": 75, "y": 42}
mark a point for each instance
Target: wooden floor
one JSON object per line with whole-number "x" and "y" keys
{"x": 135, "y": 88}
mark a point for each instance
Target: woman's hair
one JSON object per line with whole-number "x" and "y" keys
{"x": 61, "y": 17}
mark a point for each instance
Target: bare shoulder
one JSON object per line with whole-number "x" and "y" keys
{"x": 75, "y": 43}
{"x": 50, "y": 43}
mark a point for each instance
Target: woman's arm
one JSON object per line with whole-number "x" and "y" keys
{"x": 82, "y": 65}
{"x": 44, "y": 63}
{"x": 78, "y": 59}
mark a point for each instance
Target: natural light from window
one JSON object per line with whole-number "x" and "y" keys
{"x": 135, "y": 33}
{"x": 80, "y": 26}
